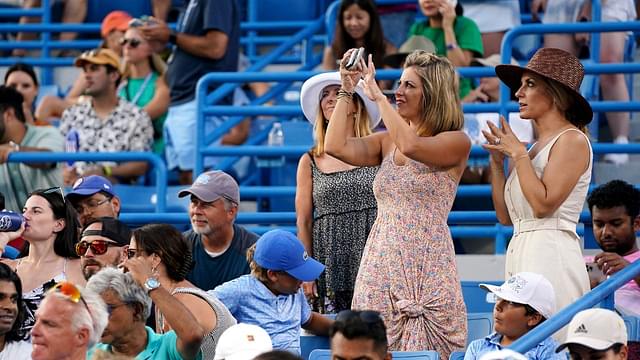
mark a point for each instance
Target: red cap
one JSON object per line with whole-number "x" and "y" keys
{"x": 115, "y": 20}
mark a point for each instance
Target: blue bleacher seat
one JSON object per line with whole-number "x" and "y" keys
{"x": 138, "y": 198}
{"x": 457, "y": 355}
{"x": 98, "y": 9}
{"x": 479, "y": 325}
{"x": 415, "y": 355}
{"x": 475, "y": 298}
{"x": 311, "y": 343}
{"x": 632, "y": 323}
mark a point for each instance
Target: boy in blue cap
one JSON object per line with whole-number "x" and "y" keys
{"x": 271, "y": 296}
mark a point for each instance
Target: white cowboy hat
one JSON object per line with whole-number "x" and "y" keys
{"x": 312, "y": 88}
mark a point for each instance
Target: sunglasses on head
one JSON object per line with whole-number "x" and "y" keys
{"x": 70, "y": 292}
{"x": 98, "y": 247}
{"x": 55, "y": 190}
{"x": 132, "y": 42}
{"x": 366, "y": 316}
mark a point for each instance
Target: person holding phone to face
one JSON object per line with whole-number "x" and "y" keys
{"x": 456, "y": 37}
{"x": 408, "y": 271}
{"x": 615, "y": 213}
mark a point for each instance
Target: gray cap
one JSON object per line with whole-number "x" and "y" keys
{"x": 212, "y": 185}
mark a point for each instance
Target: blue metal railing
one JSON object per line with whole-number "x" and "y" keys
{"x": 160, "y": 169}
{"x": 541, "y": 332}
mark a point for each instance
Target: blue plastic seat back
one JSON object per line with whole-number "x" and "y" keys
{"x": 457, "y": 355}
{"x": 632, "y": 323}
{"x": 98, "y": 9}
{"x": 323, "y": 354}
{"x": 479, "y": 325}
{"x": 475, "y": 298}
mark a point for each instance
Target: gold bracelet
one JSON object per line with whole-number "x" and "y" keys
{"x": 344, "y": 94}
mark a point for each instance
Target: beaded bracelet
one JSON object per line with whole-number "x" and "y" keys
{"x": 344, "y": 94}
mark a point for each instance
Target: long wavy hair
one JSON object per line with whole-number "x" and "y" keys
{"x": 440, "y": 108}
{"x": 361, "y": 125}
{"x": 373, "y": 39}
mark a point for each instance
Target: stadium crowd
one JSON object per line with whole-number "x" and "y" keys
{"x": 373, "y": 265}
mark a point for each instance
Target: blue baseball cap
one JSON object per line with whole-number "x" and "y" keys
{"x": 280, "y": 250}
{"x": 89, "y": 185}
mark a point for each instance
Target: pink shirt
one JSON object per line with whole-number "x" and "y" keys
{"x": 627, "y": 297}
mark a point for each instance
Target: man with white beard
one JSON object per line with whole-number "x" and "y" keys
{"x": 218, "y": 245}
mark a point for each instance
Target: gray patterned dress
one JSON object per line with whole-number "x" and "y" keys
{"x": 344, "y": 211}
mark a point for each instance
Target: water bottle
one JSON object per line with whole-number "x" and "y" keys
{"x": 276, "y": 138}
{"x": 10, "y": 221}
{"x": 72, "y": 143}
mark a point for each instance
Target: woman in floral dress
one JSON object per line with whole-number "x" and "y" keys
{"x": 408, "y": 271}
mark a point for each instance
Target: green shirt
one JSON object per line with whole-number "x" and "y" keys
{"x": 467, "y": 35}
{"x": 159, "y": 347}
{"x": 17, "y": 180}
{"x": 130, "y": 90}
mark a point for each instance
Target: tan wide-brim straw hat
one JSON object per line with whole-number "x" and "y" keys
{"x": 556, "y": 65}
{"x": 413, "y": 43}
{"x": 312, "y": 88}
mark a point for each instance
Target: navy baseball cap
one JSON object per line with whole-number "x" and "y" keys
{"x": 280, "y": 250}
{"x": 89, "y": 185}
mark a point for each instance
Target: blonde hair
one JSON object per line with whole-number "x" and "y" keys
{"x": 441, "y": 109}
{"x": 361, "y": 125}
{"x": 257, "y": 271}
{"x": 564, "y": 101}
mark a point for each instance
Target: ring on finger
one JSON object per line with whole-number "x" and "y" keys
{"x": 497, "y": 141}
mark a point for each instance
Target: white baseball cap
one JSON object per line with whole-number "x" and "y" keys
{"x": 242, "y": 342}
{"x": 598, "y": 329}
{"x": 504, "y": 354}
{"x": 527, "y": 288}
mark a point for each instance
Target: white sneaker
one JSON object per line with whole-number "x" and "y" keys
{"x": 618, "y": 159}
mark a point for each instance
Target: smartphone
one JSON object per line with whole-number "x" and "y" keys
{"x": 136, "y": 23}
{"x": 595, "y": 273}
{"x": 354, "y": 59}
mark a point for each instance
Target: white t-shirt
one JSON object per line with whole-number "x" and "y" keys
{"x": 16, "y": 350}
{"x": 475, "y": 123}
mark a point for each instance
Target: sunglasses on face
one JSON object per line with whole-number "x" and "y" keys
{"x": 98, "y": 247}
{"x": 132, "y": 42}
{"x": 70, "y": 292}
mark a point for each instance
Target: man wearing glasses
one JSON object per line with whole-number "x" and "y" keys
{"x": 102, "y": 244}
{"x": 106, "y": 123}
{"x": 93, "y": 197}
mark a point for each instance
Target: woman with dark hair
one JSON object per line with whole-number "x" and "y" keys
{"x": 50, "y": 228}
{"x": 170, "y": 256}
{"x": 22, "y": 77}
{"x": 544, "y": 192}
{"x": 13, "y": 344}
{"x": 456, "y": 37}
{"x": 357, "y": 25}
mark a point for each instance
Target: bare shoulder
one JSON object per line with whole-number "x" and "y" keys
{"x": 74, "y": 272}
{"x": 193, "y": 302}
{"x": 573, "y": 141}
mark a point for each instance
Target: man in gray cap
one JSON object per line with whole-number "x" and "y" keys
{"x": 218, "y": 245}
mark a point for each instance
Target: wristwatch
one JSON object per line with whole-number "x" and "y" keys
{"x": 152, "y": 283}
{"x": 452, "y": 46}
{"x": 173, "y": 37}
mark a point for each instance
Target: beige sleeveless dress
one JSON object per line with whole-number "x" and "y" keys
{"x": 549, "y": 246}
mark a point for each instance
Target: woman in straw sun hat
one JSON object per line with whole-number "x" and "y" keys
{"x": 408, "y": 271}
{"x": 335, "y": 206}
{"x": 545, "y": 190}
